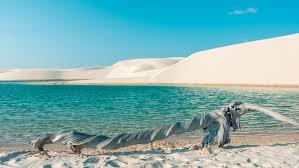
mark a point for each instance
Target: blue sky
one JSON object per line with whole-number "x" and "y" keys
{"x": 73, "y": 33}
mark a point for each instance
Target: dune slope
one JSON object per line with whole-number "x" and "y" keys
{"x": 134, "y": 71}
{"x": 140, "y": 67}
{"x": 265, "y": 62}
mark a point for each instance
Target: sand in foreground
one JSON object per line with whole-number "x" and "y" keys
{"x": 279, "y": 150}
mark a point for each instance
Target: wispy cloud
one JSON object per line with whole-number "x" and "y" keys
{"x": 243, "y": 12}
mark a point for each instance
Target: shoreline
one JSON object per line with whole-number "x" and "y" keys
{"x": 180, "y": 141}
{"x": 280, "y": 86}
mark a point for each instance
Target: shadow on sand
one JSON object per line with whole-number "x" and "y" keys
{"x": 249, "y": 146}
{"x": 11, "y": 155}
{"x": 144, "y": 152}
{"x": 240, "y": 146}
{"x": 286, "y": 144}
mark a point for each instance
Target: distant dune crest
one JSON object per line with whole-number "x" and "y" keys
{"x": 264, "y": 62}
{"x": 141, "y": 67}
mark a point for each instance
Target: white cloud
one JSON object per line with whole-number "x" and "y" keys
{"x": 242, "y": 12}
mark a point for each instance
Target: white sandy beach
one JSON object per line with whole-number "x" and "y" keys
{"x": 249, "y": 151}
{"x": 263, "y": 62}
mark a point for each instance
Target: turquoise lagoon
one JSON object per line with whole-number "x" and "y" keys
{"x": 29, "y": 111}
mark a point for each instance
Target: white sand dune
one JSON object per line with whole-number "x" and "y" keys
{"x": 264, "y": 62}
{"x": 30, "y": 74}
{"x": 52, "y": 74}
{"x": 134, "y": 71}
{"x": 140, "y": 67}
{"x": 128, "y": 71}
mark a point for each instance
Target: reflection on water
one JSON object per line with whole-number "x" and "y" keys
{"x": 28, "y": 111}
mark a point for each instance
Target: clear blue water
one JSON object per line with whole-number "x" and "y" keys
{"x": 28, "y": 111}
